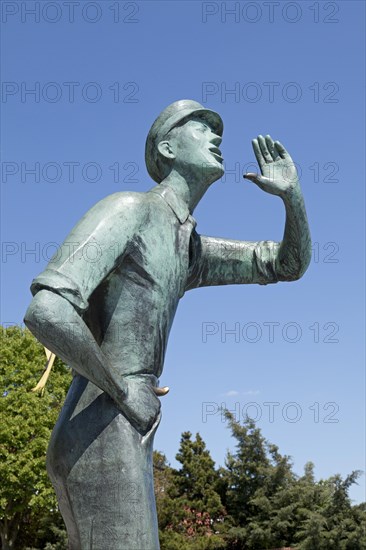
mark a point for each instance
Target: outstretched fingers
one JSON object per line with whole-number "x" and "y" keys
{"x": 269, "y": 154}
{"x": 271, "y": 148}
{"x": 264, "y": 150}
{"x": 258, "y": 153}
{"x": 281, "y": 150}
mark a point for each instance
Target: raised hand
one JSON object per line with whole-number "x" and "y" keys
{"x": 278, "y": 171}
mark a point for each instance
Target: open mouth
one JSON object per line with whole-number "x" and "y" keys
{"x": 216, "y": 152}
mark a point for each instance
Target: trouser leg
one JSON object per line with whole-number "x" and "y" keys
{"x": 101, "y": 468}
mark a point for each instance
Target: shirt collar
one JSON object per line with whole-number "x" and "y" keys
{"x": 178, "y": 206}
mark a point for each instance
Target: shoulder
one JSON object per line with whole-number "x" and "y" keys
{"x": 122, "y": 209}
{"x": 126, "y": 202}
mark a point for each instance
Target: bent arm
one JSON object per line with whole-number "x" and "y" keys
{"x": 221, "y": 262}
{"x": 217, "y": 261}
{"x": 224, "y": 261}
{"x": 58, "y": 326}
{"x": 294, "y": 253}
{"x": 279, "y": 177}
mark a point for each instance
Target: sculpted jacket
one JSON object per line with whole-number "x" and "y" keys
{"x": 125, "y": 266}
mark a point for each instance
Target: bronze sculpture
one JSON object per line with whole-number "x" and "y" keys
{"x": 108, "y": 315}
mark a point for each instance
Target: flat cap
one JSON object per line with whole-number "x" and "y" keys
{"x": 173, "y": 115}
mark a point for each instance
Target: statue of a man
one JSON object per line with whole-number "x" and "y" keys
{"x": 106, "y": 302}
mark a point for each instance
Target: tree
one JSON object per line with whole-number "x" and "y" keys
{"x": 196, "y": 479}
{"x": 255, "y": 501}
{"x": 246, "y": 469}
{"x": 254, "y": 473}
{"x": 191, "y": 512}
{"x": 271, "y": 507}
{"x": 27, "y": 419}
{"x": 332, "y": 523}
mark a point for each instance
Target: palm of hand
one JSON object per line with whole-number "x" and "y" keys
{"x": 278, "y": 171}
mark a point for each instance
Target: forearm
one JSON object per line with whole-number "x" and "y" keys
{"x": 55, "y": 323}
{"x": 294, "y": 253}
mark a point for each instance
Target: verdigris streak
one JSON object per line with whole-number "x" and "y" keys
{"x": 106, "y": 302}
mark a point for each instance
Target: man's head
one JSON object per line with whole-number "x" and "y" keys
{"x": 185, "y": 136}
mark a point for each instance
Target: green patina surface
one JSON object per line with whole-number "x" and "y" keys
{"x": 106, "y": 302}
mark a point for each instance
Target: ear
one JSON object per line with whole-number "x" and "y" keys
{"x": 165, "y": 149}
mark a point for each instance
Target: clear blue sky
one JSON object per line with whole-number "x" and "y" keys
{"x": 102, "y": 71}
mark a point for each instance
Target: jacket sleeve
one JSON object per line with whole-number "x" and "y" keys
{"x": 216, "y": 261}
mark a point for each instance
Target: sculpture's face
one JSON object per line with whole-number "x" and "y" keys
{"x": 196, "y": 148}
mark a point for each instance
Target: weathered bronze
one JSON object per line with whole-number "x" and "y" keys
{"x": 106, "y": 302}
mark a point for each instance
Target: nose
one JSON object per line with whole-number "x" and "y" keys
{"x": 216, "y": 139}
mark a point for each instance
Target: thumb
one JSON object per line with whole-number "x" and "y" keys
{"x": 256, "y": 178}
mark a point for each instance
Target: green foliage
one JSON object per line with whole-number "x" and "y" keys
{"x": 257, "y": 482}
{"x": 254, "y": 472}
{"x": 27, "y": 419}
{"x": 254, "y": 502}
{"x": 333, "y": 523}
{"x": 195, "y": 481}
{"x": 271, "y": 507}
{"x": 191, "y": 512}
